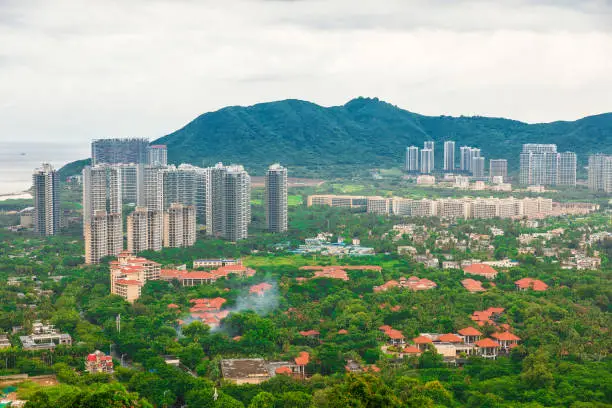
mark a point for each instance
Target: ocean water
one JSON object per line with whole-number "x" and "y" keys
{"x": 18, "y": 161}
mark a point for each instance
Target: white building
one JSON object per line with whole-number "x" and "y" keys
{"x": 275, "y": 198}
{"x": 46, "y": 214}
{"x": 449, "y": 155}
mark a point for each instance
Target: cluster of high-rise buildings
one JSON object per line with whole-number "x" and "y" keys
{"x": 541, "y": 164}
{"x": 170, "y": 200}
{"x": 470, "y": 161}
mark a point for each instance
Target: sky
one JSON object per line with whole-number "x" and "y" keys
{"x": 73, "y": 70}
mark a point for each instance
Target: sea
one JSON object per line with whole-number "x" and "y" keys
{"x": 18, "y": 160}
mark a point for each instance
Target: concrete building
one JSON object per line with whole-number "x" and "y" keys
{"x": 157, "y": 155}
{"x": 188, "y": 185}
{"x": 429, "y": 145}
{"x": 44, "y": 337}
{"x": 478, "y": 166}
{"x": 230, "y": 202}
{"x": 132, "y": 183}
{"x": 427, "y": 161}
{"x": 454, "y": 208}
{"x": 449, "y": 155}
{"x": 600, "y": 173}
{"x": 46, "y": 215}
{"x": 153, "y": 182}
{"x": 180, "y": 226}
{"x": 412, "y": 159}
{"x": 26, "y": 217}
{"x": 485, "y": 208}
{"x": 498, "y": 168}
{"x": 275, "y": 198}
{"x": 566, "y": 172}
{"x": 116, "y": 151}
{"x": 542, "y": 165}
{"x": 331, "y": 200}
{"x": 379, "y": 205}
{"x": 144, "y": 230}
{"x": 465, "y": 158}
{"x": 102, "y": 221}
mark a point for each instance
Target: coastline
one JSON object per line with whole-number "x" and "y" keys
{"x": 23, "y": 195}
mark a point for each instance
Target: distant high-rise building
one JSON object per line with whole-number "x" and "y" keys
{"x": 538, "y": 164}
{"x": 478, "y": 166}
{"x": 541, "y": 164}
{"x": 153, "y": 183}
{"x": 427, "y": 161}
{"x": 188, "y": 185}
{"x": 275, "y": 198}
{"x": 117, "y": 151}
{"x": 132, "y": 182}
{"x": 230, "y": 205}
{"x": 46, "y": 217}
{"x": 157, "y": 155}
{"x": 144, "y": 230}
{"x": 498, "y": 168}
{"x": 412, "y": 159}
{"x": 179, "y": 226}
{"x": 102, "y": 222}
{"x": 600, "y": 173}
{"x": 449, "y": 155}
{"x": 566, "y": 172}
{"x": 430, "y": 145}
{"x": 465, "y": 159}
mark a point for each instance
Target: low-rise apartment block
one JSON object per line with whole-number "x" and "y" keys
{"x": 129, "y": 273}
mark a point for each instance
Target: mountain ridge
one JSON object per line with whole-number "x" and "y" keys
{"x": 361, "y": 134}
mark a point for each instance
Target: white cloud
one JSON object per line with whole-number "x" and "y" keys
{"x": 74, "y": 70}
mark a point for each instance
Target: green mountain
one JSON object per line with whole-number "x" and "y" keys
{"x": 362, "y": 134}
{"x": 365, "y": 133}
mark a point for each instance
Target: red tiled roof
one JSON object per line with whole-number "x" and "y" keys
{"x": 91, "y": 357}
{"x": 411, "y": 350}
{"x": 342, "y": 331}
{"x": 283, "y": 370}
{"x": 173, "y": 306}
{"x": 487, "y": 343}
{"x": 332, "y": 273}
{"x": 385, "y": 327}
{"x": 372, "y": 368}
{"x": 303, "y": 359}
{"x": 472, "y": 285}
{"x": 394, "y": 334}
{"x": 469, "y": 331}
{"x": 260, "y": 288}
{"x": 505, "y": 336}
{"x": 481, "y": 270}
{"x": 128, "y": 282}
{"x": 534, "y": 284}
{"x": 496, "y": 310}
{"x": 422, "y": 340}
{"x": 450, "y": 338}
{"x": 309, "y": 333}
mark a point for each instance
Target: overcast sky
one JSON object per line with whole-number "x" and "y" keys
{"x": 72, "y": 70}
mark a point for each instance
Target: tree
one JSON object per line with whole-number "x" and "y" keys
{"x": 263, "y": 400}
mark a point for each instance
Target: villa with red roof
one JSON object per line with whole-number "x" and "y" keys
{"x": 472, "y": 285}
{"x": 479, "y": 269}
{"x": 412, "y": 283}
{"x": 529, "y": 283}
{"x": 260, "y": 289}
{"x": 506, "y": 339}
{"x": 332, "y": 273}
{"x": 196, "y": 278}
{"x": 98, "y": 362}
{"x": 487, "y": 348}
{"x": 470, "y": 335}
